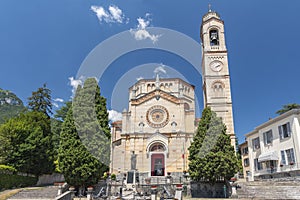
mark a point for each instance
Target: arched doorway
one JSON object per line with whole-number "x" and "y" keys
{"x": 157, "y": 152}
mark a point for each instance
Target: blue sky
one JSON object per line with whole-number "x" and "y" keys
{"x": 47, "y": 41}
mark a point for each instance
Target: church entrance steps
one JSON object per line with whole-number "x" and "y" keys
{"x": 270, "y": 189}
{"x": 161, "y": 180}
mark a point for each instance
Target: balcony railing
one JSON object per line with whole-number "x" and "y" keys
{"x": 283, "y": 168}
{"x": 266, "y": 171}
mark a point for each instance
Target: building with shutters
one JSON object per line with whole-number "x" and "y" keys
{"x": 274, "y": 147}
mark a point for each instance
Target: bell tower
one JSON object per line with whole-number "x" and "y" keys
{"x": 215, "y": 72}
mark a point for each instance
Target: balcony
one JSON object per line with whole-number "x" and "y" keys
{"x": 266, "y": 171}
{"x": 277, "y": 170}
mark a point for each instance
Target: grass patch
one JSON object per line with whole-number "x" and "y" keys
{"x": 8, "y": 193}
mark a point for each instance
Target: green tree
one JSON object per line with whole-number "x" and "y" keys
{"x": 56, "y": 125}
{"x": 211, "y": 154}
{"x": 26, "y": 143}
{"x": 287, "y": 107}
{"x": 91, "y": 116}
{"x": 88, "y": 121}
{"x": 63, "y": 111}
{"x": 79, "y": 167}
{"x": 40, "y": 101}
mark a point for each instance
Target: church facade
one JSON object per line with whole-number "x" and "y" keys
{"x": 158, "y": 127}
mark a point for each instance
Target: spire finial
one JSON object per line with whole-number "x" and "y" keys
{"x": 157, "y": 81}
{"x": 209, "y": 7}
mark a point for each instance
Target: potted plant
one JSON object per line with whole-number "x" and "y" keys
{"x": 113, "y": 177}
{"x": 105, "y": 175}
{"x": 233, "y": 179}
{"x": 90, "y": 188}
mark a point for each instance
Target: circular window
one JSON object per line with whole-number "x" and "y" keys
{"x": 157, "y": 116}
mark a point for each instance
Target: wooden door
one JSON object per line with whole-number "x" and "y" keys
{"x": 157, "y": 165}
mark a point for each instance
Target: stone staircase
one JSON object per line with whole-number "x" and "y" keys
{"x": 284, "y": 188}
{"x": 36, "y": 193}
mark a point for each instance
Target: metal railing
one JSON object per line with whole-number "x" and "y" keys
{"x": 281, "y": 168}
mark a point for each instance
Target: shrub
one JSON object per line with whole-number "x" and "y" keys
{"x": 113, "y": 177}
{"x": 5, "y": 169}
{"x": 10, "y": 180}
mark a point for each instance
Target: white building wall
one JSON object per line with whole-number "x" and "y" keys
{"x": 277, "y": 144}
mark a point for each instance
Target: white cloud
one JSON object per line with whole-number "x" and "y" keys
{"x": 140, "y": 33}
{"x": 160, "y": 68}
{"x": 114, "y": 115}
{"x": 116, "y": 13}
{"x": 113, "y": 15}
{"x": 58, "y": 100}
{"x": 143, "y": 23}
{"x": 74, "y": 83}
{"x": 139, "y": 78}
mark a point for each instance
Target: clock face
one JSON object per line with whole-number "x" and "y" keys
{"x": 216, "y": 66}
{"x": 157, "y": 116}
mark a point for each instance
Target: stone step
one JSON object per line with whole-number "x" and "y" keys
{"x": 269, "y": 190}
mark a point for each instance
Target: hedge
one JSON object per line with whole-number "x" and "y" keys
{"x": 5, "y": 169}
{"x": 9, "y": 179}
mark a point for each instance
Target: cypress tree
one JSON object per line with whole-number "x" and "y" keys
{"x": 85, "y": 137}
{"x": 79, "y": 167}
{"x": 211, "y": 154}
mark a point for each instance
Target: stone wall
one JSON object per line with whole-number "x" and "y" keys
{"x": 49, "y": 179}
{"x": 206, "y": 190}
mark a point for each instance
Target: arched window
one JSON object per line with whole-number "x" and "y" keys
{"x": 173, "y": 124}
{"x": 157, "y": 147}
{"x": 218, "y": 88}
{"x": 214, "y": 37}
{"x": 141, "y": 126}
{"x": 162, "y": 86}
{"x": 148, "y": 88}
{"x": 186, "y": 106}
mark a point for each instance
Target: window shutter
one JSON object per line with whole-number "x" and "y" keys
{"x": 288, "y": 128}
{"x": 292, "y": 156}
{"x": 280, "y": 131}
{"x": 265, "y": 137}
{"x": 283, "y": 158}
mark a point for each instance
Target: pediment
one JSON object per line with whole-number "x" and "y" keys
{"x": 155, "y": 94}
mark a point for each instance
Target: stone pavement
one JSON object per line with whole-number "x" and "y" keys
{"x": 36, "y": 193}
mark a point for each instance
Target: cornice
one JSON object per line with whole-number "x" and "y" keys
{"x": 156, "y": 93}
